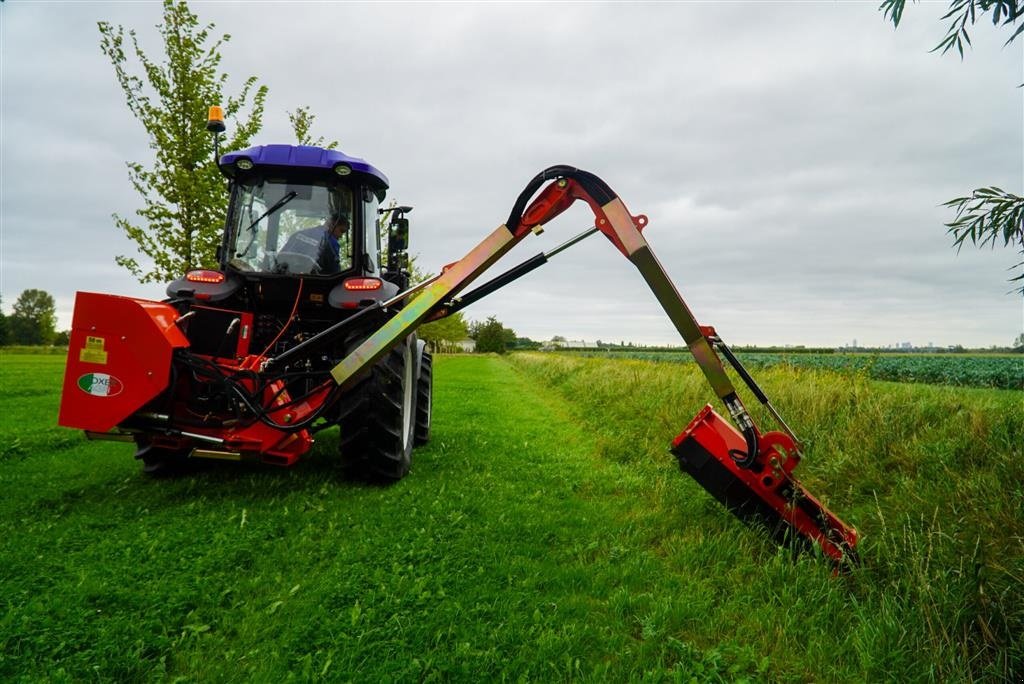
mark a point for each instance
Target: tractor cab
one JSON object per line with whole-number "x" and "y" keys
{"x": 299, "y": 210}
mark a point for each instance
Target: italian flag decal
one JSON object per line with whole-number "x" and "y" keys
{"x": 100, "y": 384}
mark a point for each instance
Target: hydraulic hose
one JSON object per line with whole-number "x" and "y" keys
{"x": 593, "y": 185}
{"x": 746, "y": 425}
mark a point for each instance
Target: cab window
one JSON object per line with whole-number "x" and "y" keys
{"x": 291, "y": 228}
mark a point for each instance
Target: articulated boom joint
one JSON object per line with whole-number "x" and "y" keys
{"x": 560, "y": 195}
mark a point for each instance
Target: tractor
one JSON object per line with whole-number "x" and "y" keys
{"x": 307, "y": 323}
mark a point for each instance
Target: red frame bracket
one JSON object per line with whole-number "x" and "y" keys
{"x": 559, "y": 196}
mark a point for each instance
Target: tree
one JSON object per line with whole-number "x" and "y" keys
{"x": 508, "y": 337}
{"x": 302, "y": 121}
{"x": 183, "y": 194}
{"x": 447, "y": 330}
{"x": 492, "y": 336}
{"x": 34, "y": 318}
{"x": 4, "y": 327}
{"x": 986, "y": 215}
{"x": 525, "y": 343}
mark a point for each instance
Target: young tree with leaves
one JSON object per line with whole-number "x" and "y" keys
{"x": 302, "y": 122}
{"x": 987, "y": 215}
{"x": 183, "y": 194}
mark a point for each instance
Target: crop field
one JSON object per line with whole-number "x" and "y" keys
{"x": 545, "y": 534}
{"x": 961, "y": 370}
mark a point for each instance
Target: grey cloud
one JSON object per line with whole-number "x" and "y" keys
{"x": 791, "y": 157}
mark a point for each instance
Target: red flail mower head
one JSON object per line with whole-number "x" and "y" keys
{"x": 764, "y": 494}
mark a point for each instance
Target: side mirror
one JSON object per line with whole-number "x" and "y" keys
{"x": 398, "y": 235}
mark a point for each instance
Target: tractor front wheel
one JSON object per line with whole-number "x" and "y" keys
{"x": 377, "y": 418}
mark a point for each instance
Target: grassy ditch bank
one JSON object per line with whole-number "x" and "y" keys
{"x": 933, "y": 478}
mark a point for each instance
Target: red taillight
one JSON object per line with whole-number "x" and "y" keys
{"x": 204, "y": 276}
{"x": 362, "y": 284}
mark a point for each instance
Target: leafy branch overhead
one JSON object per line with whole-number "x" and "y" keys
{"x": 989, "y": 214}
{"x": 964, "y": 13}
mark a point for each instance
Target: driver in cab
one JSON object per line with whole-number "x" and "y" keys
{"x": 321, "y": 243}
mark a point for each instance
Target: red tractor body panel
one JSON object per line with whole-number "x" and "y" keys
{"x": 119, "y": 358}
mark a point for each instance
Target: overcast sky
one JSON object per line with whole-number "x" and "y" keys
{"x": 792, "y": 157}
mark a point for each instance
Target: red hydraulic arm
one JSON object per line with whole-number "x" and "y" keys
{"x": 749, "y": 471}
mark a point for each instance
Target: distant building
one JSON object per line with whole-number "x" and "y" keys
{"x": 450, "y": 347}
{"x": 551, "y": 345}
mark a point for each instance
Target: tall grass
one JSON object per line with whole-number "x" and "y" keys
{"x": 932, "y": 477}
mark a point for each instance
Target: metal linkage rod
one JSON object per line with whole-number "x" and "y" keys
{"x": 514, "y": 273}
{"x": 752, "y": 384}
{"x": 572, "y": 241}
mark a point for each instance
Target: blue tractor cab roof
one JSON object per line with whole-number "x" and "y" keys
{"x": 298, "y": 158}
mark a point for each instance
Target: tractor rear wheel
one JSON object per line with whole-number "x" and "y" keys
{"x": 377, "y": 418}
{"x": 424, "y": 399}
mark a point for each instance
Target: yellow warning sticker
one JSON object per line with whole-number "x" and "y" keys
{"x": 93, "y": 352}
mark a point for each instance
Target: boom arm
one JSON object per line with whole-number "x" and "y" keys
{"x": 749, "y": 472}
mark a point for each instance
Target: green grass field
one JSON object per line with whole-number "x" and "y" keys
{"x": 1002, "y": 371}
{"x": 545, "y": 534}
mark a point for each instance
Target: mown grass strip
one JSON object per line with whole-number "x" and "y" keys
{"x": 511, "y": 552}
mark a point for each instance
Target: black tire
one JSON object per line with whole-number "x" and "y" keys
{"x": 377, "y": 419}
{"x": 157, "y": 462}
{"x": 424, "y": 400}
